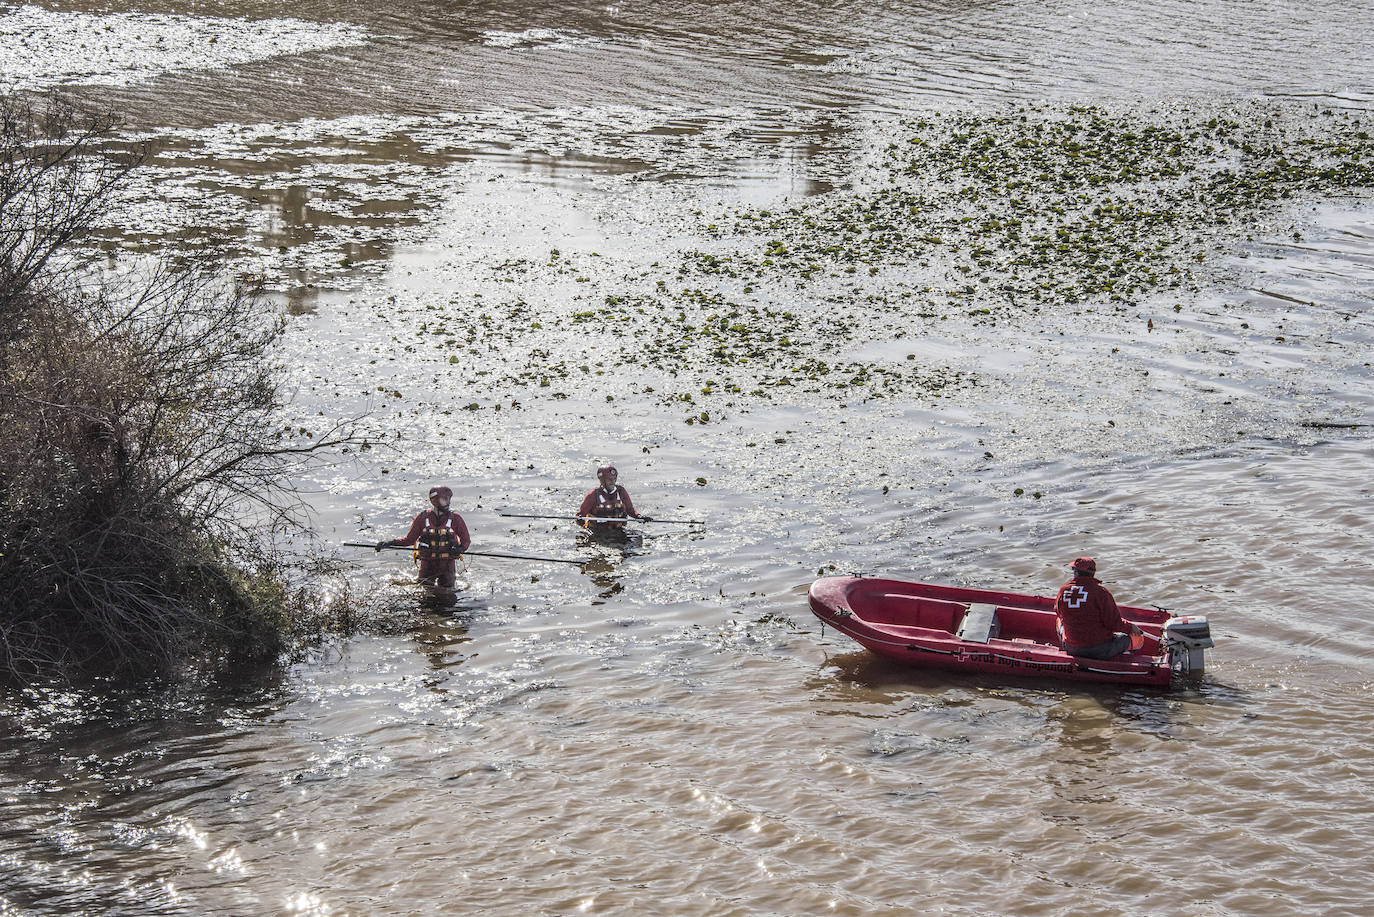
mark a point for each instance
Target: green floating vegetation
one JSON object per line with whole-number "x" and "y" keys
{"x": 977, "y": 217}
{"x": 1050, "y": 205}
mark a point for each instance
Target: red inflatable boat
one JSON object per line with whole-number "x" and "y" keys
{"x": 981, "y": 630}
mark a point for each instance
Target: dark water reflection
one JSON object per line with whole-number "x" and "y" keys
{"x": 93, "y": 781}
{"x": 606, "y": 550}
{"x": 433, "y": 57}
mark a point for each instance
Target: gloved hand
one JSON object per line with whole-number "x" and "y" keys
{"x": 645, "y": 518}
{"x": 382, "y": 544}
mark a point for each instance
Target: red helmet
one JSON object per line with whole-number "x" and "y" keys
{"x": 605, "y": 470}
{"x": 1085, "y": 565}
{"x": 441, "y": 492}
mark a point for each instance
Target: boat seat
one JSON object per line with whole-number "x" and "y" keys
{"x": 979, "y": 624}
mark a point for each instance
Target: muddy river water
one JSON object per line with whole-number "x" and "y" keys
{"x": 516, "y": 238}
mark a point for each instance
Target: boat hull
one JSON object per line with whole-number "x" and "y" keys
{"x": 918, "y": 624}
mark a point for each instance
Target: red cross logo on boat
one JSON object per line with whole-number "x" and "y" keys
{"x": 1075, "y": 596}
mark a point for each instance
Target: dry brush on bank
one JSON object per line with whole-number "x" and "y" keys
{"x": 141, "y": 419}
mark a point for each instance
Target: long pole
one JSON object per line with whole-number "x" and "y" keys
{"x": 546, "y": 560}
{"x": 601, "y": 518}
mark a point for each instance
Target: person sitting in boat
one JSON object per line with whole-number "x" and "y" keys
{"x": 610, "y": 502}
{"x": 439, "y": 536}
{"x": 1090, "y": 625}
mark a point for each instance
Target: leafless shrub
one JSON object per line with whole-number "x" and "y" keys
{"x": 55, "y": 181}
{"x": 144, "y": 467}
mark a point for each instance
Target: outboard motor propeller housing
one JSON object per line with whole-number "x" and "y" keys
{"x": 1186, "y": 637}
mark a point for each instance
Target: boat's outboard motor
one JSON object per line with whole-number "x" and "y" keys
{"x": 1186, "y": 636}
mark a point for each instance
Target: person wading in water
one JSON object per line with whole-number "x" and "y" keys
{"x": 439, "y": 536}
{"x": 610, "y": 501}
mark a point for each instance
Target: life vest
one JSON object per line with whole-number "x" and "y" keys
{"x": 438, "y": 540}
{"x": 608, "y": 505}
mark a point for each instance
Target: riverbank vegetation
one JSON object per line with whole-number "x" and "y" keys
{"x": 144, "y": 465}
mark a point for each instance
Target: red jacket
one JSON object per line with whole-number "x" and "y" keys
{"x": 1087, "y": 612}
{"x": 437, "y": 536}
{"x": 607, "y": 505}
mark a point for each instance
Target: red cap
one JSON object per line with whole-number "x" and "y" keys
{"x": 1084, "y": 565}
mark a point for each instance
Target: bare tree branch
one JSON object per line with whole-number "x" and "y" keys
{"x": 145, "y": 467}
